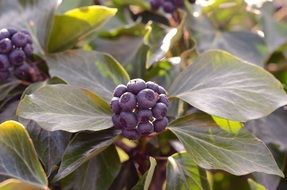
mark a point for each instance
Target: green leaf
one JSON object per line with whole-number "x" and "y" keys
{"x": 67, "y": 108}
{"x": 18, "y": 156}
{"x": 213, "y": 148}
{"x": 83, "y": 147}
{"x": 225, "y": 86}
{"x": 71, "y": 27}
{"x": 71, "y": 4}
{"x": 92, "y": 70}
{"x": 97, "y": 173}
{"x": 183, "y": 173}
{"x": 15, "y": 184}
{"x": 255, "y": 186}
{"x": 228, "y": 125}
{"x": 140, "y": 3}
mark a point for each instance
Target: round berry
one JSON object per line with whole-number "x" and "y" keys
{"x": 19, "y": 39}
{"x": 136, "y": 85}
{"x": 23, "y": 72}
{"x": 28, "y": 35}
{"x": 163, "y": 99}
{"x": 12, "y": 31}
{"x": 128, "y": 120}
{"x": 28, "y": 49}
{"x": 5, "y": 45}
{"x": 116, "y": 121}
{"x": 115, "y": 105}
{"x": 159, "y": 110}
{"x": 128, "y": 101}
{"x": 4, "y": 75}
{"x": 17, "y": 57}
{"x": 155, "y": 4}
{"x": 147, "y": 98}
{"x": 161, "y": 90}
{"x": 119, "y": 90}
{"x": 144, "y": 115}
{"x": 4, "y": 62}
{"x": 145, "y": 128}
{"x": 130, "y": 134}
{"x": 152, "y": 85}
{"x": 4, "y": 33}
{"x": 160, "y": 124}
{"x": 168, "y": 7}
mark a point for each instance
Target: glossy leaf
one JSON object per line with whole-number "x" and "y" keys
{"x": 83, "y": 147}
{"x": 182, "y": 173}
{"x": 67, "y": 108}
{"x": 15, "y": 184}
{"x": 73, "y": 25}
{"x": 92, "y": 70}
{"x": 228, "y": 125}
{"x": 225, "y": 86}
{"x": 212, "y": 148}
{"x": 18, "y": 156}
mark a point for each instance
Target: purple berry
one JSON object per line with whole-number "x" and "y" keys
{"x": 4, "y": 33}
{"x": 115, "y": 105}
{"x": 155, "y": 4}
{"x": 145, "y": 128}
{"x": 128, "y": 101}
{"x": 5, "y": 45}
{"x": 147, "y": 98}
{"x": 119, "y": 90}
{"x": 144, "y": 115}
{"x": 178, "y": 3}
{"x": 23, "y": 72}
{"x": 19, "y": 39}
{"x": 160, "y": 124}
{"x": 128, "y": 120}
{"x": 12, "y": 31}
{"x": 28, "y": 49}
{"x": 163, "y": 99}
{"x": 28, "y": 35}
{"x": 168, "y": 7}
{"x": 192, "y": 1}
{"x": 4, "y": 62}
{"x": 136, "y": 85}
{"x": 17, "y": 57}
{"x": 161, "y": 90}
{"x": 116, "y": 121}
{"x": 4, "y": 75}
{"x": 130, "y": 134}
{"x": 159, "y": 110}
{"x": 153, "y": 86}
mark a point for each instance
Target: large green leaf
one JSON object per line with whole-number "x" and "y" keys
{"x": 18, "y": 156}
{"x": 70, "y": 27}
{"x": 95, "y": 71}
{"x": 15, "y": 184}
{"x": 97, "y": 173}
{"x": 67, "y": 108}
{"x": 255, "y": 186}
{"x": 71, "y": 4}
{"x": 213, "y": 148}
{"x": 225, "y": 86}
{"x": 83, "y": 147}
{"x": 182, "y": 173}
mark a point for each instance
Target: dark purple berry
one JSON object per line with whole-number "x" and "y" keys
{"x": 4, "y": 33}
{"x": 28, "y": 35}
{"x": 128, "y": 120}
{"x": 144, "y": 115}
{"x": 128, "y": 101}
{"x": 192, "y": 1}
{"x": 116, "y": 121}
{"x": 136, "y": 85}
{"x": 115, "y": 105}
{"x": 161, "y": 90}
{"x": 168, "y": 7}
{"x": 155, "y": 4}
{"x": 19, "y": 39}
{"x": 23, "y": 72}
{"x": 130, "y": 134}
{"x": 163, "y": 99}
{"x": 17, "y": 57}
{"x": 12, "y": 31}
{"x": 159, "y": 110}
{"x": 119, "y": 90}
{"x": 5, "y": 45}
{"x": 145, "y": 128}
{"x": 147, "y": 98}
{"x": 152, "y": 85}
{"x": 4, "y": 62}
{"x": 28, "y": 49}
{"x": 4, "y": 75}
{"x": 160, "y": 124}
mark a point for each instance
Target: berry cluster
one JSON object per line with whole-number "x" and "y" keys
{"x": 139, "y": 108}
{"x": 168, "y": 6}
{"x": 15, "y": 48}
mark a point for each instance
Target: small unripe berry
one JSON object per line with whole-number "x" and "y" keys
{"x": 119, "y": 90}
{"x": 144, "y": 115}
{"x": 5, "y": 45}
{"x": 130, "y": 134}
{"x": 128, "y": 120}
{"x": 4, "y": 75}
{"x": 145, "y": 128}
{"x": 136, "y": 85}
{"x": 116, "y": 121}
{"x": 128, "y": 101}
{"x": 153, "y": 86}
{"x": 4, "y": 33}
{"x": 168, "y": 7}
{"x": 115, "y": 105}
{"x": 19, "y": 39}
{"x": 159, "y": 110}
{"x": 17, "y": 57}
{"x": 4, "y": 62}
{"x": 160, "y": 124}
{"x": 147, "y": 98}
{"x": 163, "y": 99}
